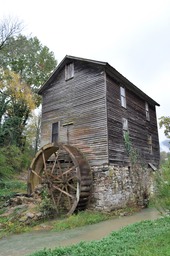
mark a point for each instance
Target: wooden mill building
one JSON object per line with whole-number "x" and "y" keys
{"x": 90, "y": 105}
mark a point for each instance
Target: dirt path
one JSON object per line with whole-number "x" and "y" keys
{"x": 24, "y": 244}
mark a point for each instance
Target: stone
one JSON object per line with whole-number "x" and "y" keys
{"x": 23, "y": 218}
{"x": 30, "y": 215}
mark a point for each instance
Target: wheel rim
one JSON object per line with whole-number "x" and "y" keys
{"x": 60, "y": 167}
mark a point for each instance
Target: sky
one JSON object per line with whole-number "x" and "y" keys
{"x": 133, "y": 36}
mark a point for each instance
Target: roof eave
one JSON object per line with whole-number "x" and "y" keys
{"x": 66, "y": 59}
{"x": 123, "y": 80}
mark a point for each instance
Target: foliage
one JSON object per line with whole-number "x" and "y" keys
{"x": 131, "y": 151}
{"x": 8, "y": 187}
{"x": 80, "y": 219}
{"x": 46, "y": 206}
{"x": 9, "y": 227}
{"x": 147, "y": 238}
{"x": 28, "y": 58}
{"x": 13, "y": 160}
{"x": 25, "y": 65}
{"x": 163, "y": 157}
{"x": 17, "y": 102}
{"x": 32, "y": 130}
{"x": 162, "y": 196}
{"x": 165, "y": 122}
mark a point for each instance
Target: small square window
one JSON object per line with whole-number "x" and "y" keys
{"x": 123, "y": 97}
{"x": 125, "y": 125}
{"x": 69, "y": 71}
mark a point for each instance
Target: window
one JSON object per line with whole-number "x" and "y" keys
{"x": 69, "y": 71}
{"x": 150, "y": 143}
{"x": 147, "y": 111}
{"x": 55, "y": 132}
{"x": 125, "y": 125}
{"x": 123, "y": 97}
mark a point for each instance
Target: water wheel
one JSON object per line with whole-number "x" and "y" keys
{"x": 67, "y": 174}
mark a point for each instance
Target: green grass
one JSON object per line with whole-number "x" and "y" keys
{"x": 10, "y": 187}
{"x": 147, "y": 238}
{"x": 80, "y": 219}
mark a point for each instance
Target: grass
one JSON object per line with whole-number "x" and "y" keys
{"x": 10, "y": 187}
{"x": 80, "y": 219}
{"x": 147, "y": 238}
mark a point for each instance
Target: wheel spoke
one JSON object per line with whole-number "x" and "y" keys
{"x": 58, "y": 199}
{"x": 69, "y": 201}
{"x": 56, "y": 158}
{"x": 64, "y": 192}
{"x": 66, "y": 172}
{"x": 72, "y": 187}
{"x": 59, "y": 166}
{"x": 54, "y": 177}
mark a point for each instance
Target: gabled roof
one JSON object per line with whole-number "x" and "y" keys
{"x": 109, "y": 70}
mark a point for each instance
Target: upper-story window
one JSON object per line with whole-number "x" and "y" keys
{"x": 123, "y": 97}
{"x": 69, "y": 71}
{"x": 147, "y": 111}
{"x": 55, "y": 132}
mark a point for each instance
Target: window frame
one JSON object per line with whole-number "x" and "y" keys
{"x": 69, "y": 71}
{"x": 123, "y": 96}
{"x": 147, "y": 113}
{"x": 55, "y": 134}
{"x": 125, "y": 126}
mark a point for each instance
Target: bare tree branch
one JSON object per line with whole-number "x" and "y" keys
{"x": 9, "y": 27}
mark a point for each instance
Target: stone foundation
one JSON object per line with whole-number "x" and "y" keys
{"x": 120, "y": 187}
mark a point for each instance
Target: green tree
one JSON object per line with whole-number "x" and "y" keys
{"x": 32, "y": 131}
{"x": 16, "y": 105}
{"x": 162, "y": 197}
{"x": 165, "y": 122}
{"x": 26, "y": 63}
{"x": 28, "y": 58}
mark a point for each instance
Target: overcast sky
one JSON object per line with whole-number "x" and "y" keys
{"x": 133, "y": 36}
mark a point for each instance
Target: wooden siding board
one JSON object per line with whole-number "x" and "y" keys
{"x": 138, "y": 127}
{"x": 80, "y": 100}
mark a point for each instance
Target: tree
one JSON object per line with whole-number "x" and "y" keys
{"x": 26, "y": 64}
{"x": 32, "y": 130}
{"x": 9, "y": 27}
{"x": 28, "y": 58}
{"x": 165, "y": 122}
{"x": 17, "y": 102}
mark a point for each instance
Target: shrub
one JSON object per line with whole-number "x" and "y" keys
{"x": 162, "y": 195}
{"x": 13, "y": 160}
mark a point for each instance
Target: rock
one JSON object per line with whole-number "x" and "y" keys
{"x": 39, "y": 214}
{"x": 23, "y": 218}
{"x": 30, "y": 215}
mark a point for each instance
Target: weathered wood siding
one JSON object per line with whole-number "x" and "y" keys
{"x": 139, "y": 128}
{"x": 81, "y": 102}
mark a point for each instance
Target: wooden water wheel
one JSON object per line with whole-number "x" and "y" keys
{"x": 67, "y": 174}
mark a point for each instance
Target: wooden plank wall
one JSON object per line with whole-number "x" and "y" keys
{"x": 138, "y": 127}
{"x": 82, "y": 102}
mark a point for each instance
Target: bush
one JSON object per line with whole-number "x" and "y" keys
{"x": 13, "y": 160}
{"x": 162, "y": 195}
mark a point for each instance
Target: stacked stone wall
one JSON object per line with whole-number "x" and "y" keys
{"x": 119, "y": 187}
